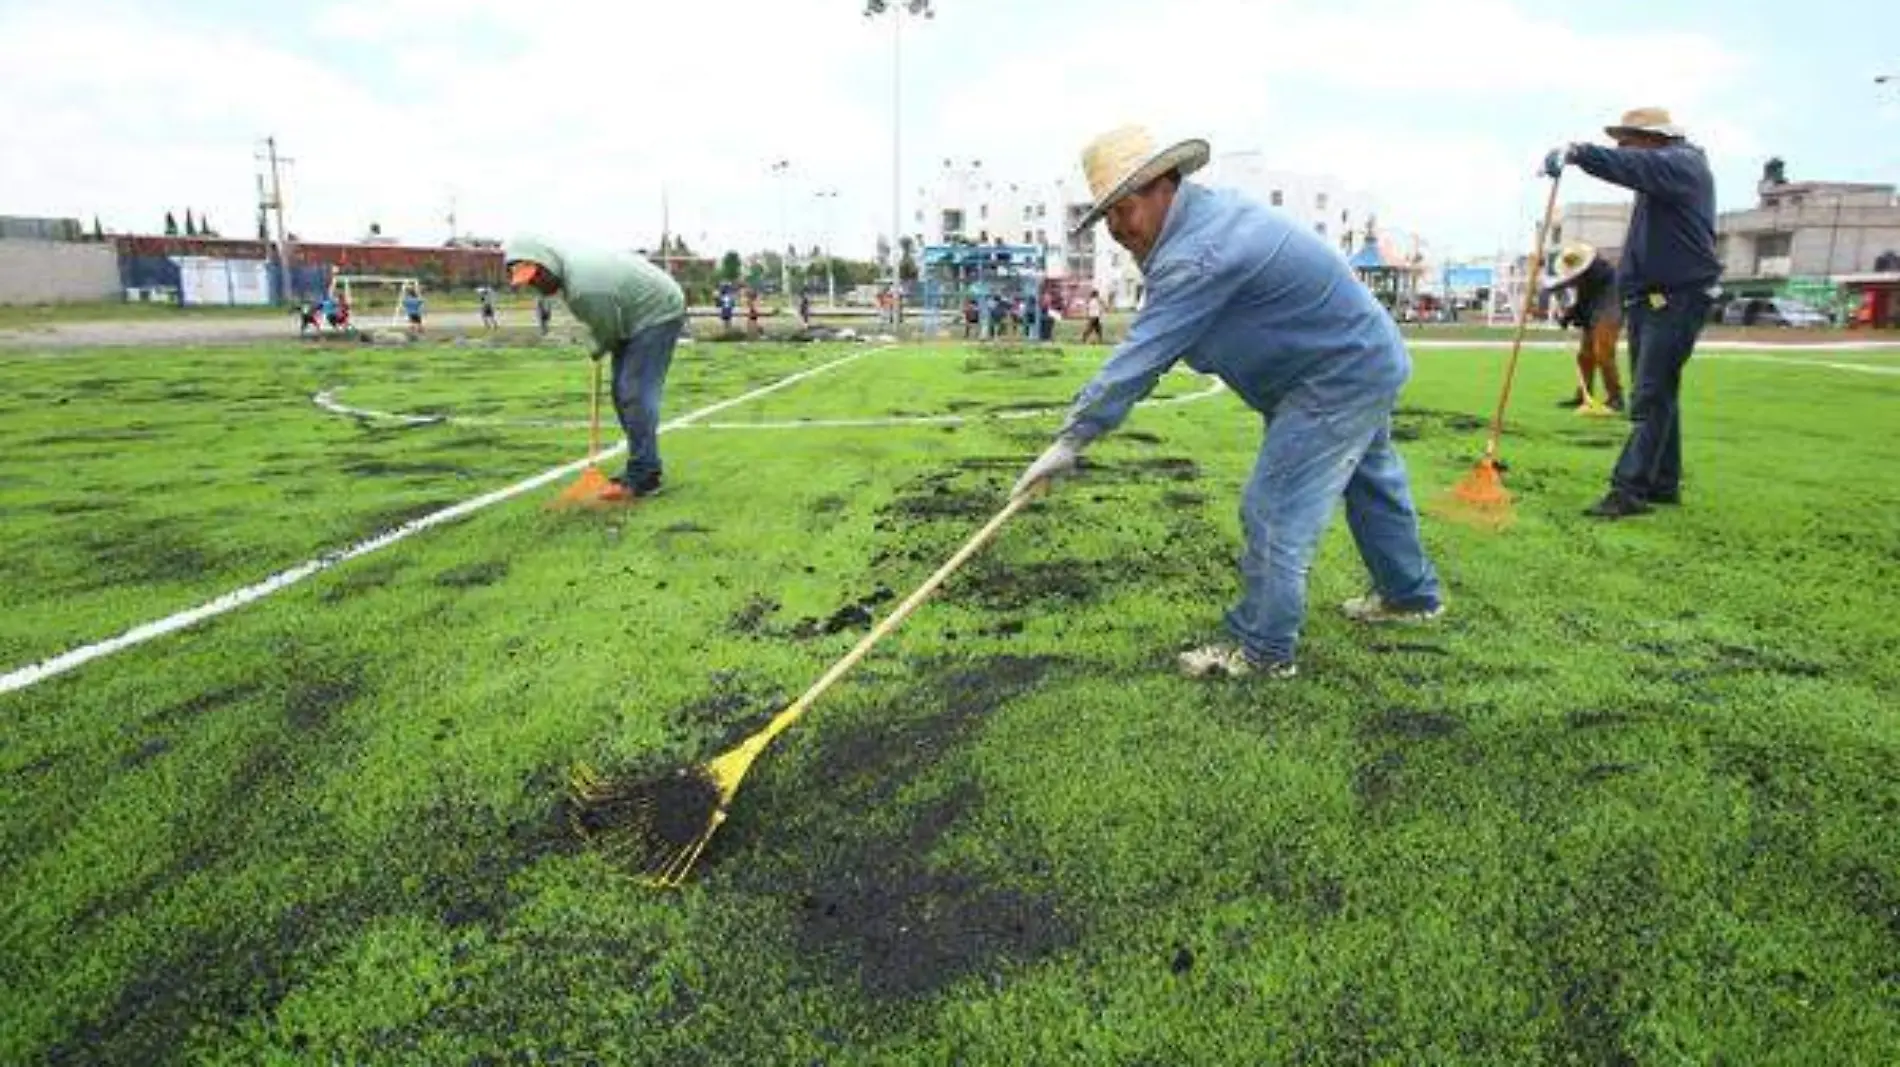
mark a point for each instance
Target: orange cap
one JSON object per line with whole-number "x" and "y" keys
{"x": 523, "y": 272}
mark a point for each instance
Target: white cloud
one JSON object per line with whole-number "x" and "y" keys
{"x": 570, "y": 117}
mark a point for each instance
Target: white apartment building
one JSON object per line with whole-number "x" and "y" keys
{"x": 1336, "y": 214}
{"x": 966, "y": 201}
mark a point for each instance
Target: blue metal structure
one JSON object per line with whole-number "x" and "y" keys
{"x": 956, "y": 272}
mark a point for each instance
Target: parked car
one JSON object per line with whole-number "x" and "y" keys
{"x": 1771, "y": 311}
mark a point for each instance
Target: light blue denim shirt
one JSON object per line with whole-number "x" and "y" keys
{"x": 1241, "y": 291}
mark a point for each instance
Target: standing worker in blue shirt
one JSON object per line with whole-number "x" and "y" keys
{"x": 1667, "y": 280}
{"x": 1244, "y": 292}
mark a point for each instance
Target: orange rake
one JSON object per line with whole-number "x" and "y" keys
{"x": 1480, "y": 497}
{"x": 586, "y": 489}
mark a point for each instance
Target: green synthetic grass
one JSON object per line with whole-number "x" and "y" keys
{"x": 1634, "y": 800}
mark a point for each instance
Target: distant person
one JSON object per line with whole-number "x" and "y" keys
{"x": 327, "y": 307}
{"x": 1094, "y": 327}
{"x": 633, "y": 310}
{"x": 307, "y": 319}
{"x": 999, "y": 316}
{"x": 543, "y": 312}
{"x": 804, "y": 309}
{"x": 412, "y": 310}
{"x": 971, "y": 316}
{"x": 752, "y": 312}
{"x": 1667, "y": 280}
{"x": 489, "y": 320}
{"x": 726, "y": 308}
{"x": 1597, "y": 312}
{"x": 1046, "y": 318}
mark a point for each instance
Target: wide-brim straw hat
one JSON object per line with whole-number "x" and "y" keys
{"x": 1124, "y": 159}
{"x": 1654, "y": 120}
{"x": 1572, "y": 259}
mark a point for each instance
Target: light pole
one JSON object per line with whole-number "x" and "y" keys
{"x": 830, "y": 196}
{"x": 896, "y": 11}
{"x": 783, "y": 169}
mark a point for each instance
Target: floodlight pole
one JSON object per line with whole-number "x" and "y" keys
{"x": 831, "y": 278}
{"x": 783, "y": 168}
{"x": 897, "y": 10}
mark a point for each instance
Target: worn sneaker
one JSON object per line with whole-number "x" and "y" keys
{"x": 1373, "y": 608}
{"x": 1228, "y": 661}
{"x": 619, "y": 491}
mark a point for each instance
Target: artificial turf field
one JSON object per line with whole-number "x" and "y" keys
{"x": 1635, "y": 799}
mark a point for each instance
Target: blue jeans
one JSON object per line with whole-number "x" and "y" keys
{"x": 1661, "y": 342}
{"x": 640, "y": 366}
{"x": 1308, "y": 460}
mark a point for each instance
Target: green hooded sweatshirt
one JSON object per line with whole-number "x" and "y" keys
{"x": 614, "y": 294}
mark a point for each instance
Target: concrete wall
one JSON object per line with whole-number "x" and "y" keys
{"x": 57, "y": 272}
{"x": 1823, "y": 240}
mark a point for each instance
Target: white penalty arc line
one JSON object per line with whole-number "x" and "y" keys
{"x": 23, "y": 677}
{"x": 327, "y": 400}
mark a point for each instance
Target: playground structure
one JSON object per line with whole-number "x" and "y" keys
{"x": 954, "y": 273}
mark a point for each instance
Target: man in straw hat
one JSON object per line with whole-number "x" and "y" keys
{"x": 634, "y": 310}
{"x": 1598, "y": 312}
{"x": 1667, "y": 280}
{"x": 1246, "y": 293}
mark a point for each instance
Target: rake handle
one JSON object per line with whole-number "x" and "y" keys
{"x": 593, "y": 418}
{"x": 1536, "y": 270}
{"x": 784, "y": 719}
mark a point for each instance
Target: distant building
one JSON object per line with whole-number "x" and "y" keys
{"x": 966, "y": 203}
{"x": 1602, "y": 226}
{"x": 1818, "y": 230}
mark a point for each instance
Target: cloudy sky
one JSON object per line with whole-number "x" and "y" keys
{"x": 571, "y": 117}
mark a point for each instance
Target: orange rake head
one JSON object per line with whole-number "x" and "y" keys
{"x": 585, "y": 491}
{"x": 1480, "y": 498}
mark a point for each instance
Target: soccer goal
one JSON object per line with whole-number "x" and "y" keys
{"x": 377, "y": 287}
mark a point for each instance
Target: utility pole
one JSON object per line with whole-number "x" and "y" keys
{"x": 666, "y": 233}
{"x": 276, "y": 204}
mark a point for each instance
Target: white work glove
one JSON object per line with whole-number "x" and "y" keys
{"x": 1058, "y": 459}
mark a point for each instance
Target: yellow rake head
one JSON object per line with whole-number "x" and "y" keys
{"x": 654, "y": 828}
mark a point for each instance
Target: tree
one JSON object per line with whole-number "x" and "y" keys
{"x": 171, "y": 225}
{"x": 375, "y": 229}
{"x": 883, "y": 251}
{"x": 729, "y": 267}
{"x": 907, "y": 262}
{"x": 98, "y": 234}
{"x": 204, "y": 227}
{"x": 191, "y": 227}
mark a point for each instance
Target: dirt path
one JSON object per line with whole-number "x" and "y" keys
{"x": 192, "y": 330}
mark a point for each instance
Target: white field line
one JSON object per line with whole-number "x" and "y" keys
{"x": 23, "y": 677}
{"x": 1710, "y": 346}
{"x": 1745, "y": 357}
{"x": 327, "y": 401}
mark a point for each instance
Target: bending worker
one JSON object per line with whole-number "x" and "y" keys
{"x": 632, "y": 309}
{"x": 1247, "y": 293}
{"x": 1598, "y": 312}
